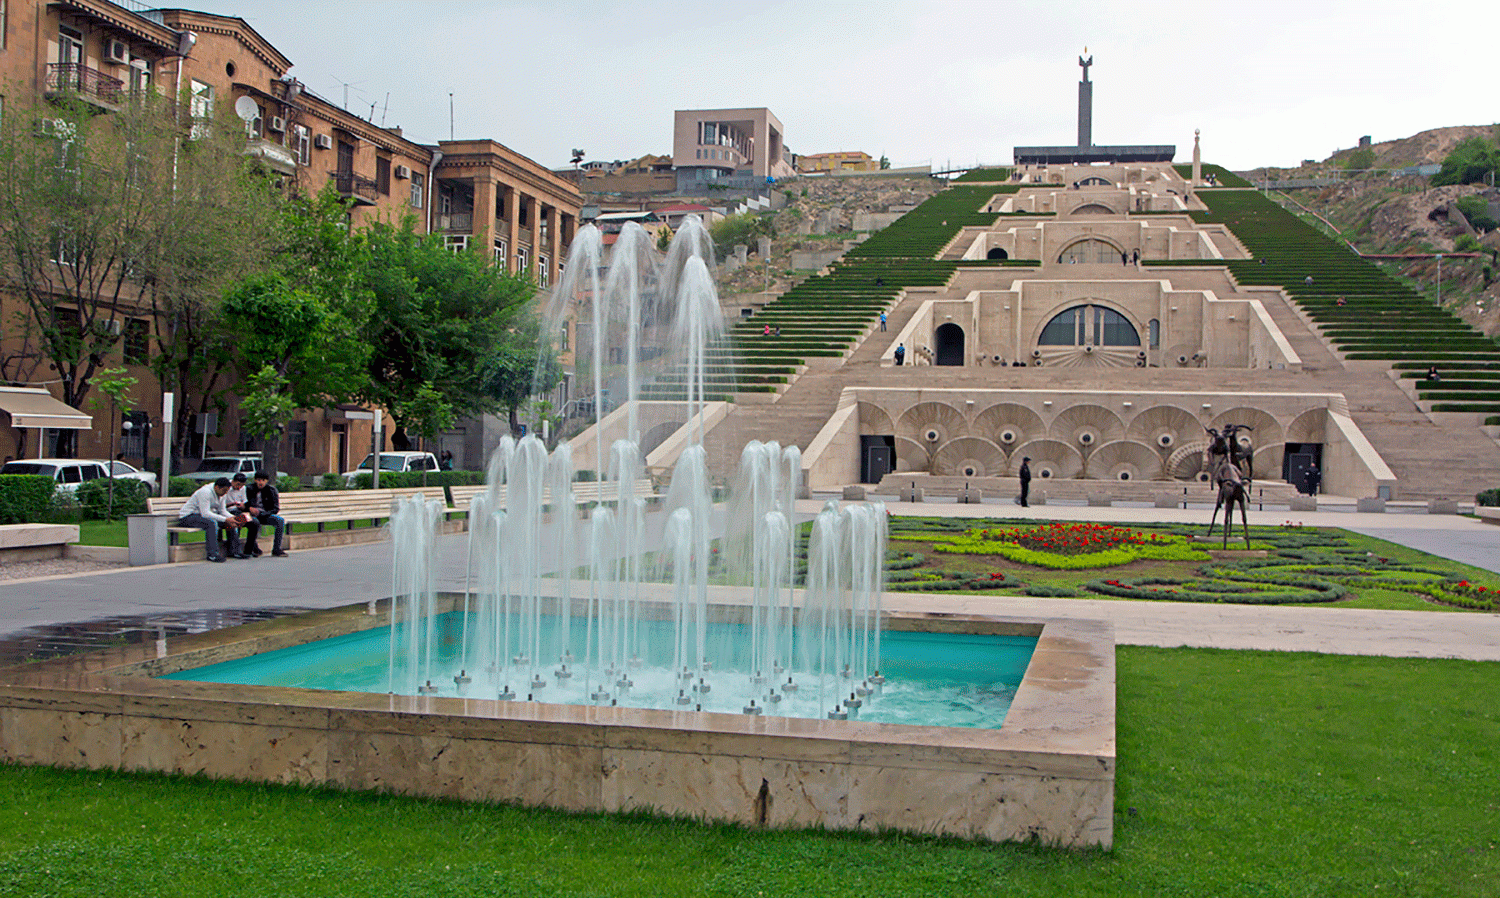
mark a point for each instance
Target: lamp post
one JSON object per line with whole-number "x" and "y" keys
{"x": 1440, "y": 279}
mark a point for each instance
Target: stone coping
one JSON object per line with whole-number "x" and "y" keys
{"x": 1047, "y": 773}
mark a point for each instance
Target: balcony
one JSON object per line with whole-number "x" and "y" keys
{"x": 73, "y": 79}
{"x": 272, "y": 155}
{"x": 356, "y": 187}
{"x": 456, "y": 221}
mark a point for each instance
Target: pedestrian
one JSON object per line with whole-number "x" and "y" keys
{"x": 767, "y": 331}
{"x": 1341, "y": 302}
{"x": 1124, "y": 258}
{"x": 205, "y": 510}
{"x": 445, "y": 461}
{"x": 1307, "y": 281}
{"x": 1135, "y": 256}
{"x": 777, "y": 331}
{"x": 882, "y": 319}
{"x": 1025, "y": 473}
{"x": 900, "y": 353}
{"x": 1313, "y": 478}
{"x": 1432, "y": 373}
{"x": 263, "y": 502}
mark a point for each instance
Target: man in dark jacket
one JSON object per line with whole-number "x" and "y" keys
{"x": 263, "y": 503}
{"x": 1025, "y": 482}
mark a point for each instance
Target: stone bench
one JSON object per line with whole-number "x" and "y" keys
{"x": 35, "y": 542}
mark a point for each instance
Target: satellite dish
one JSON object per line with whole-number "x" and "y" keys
{"x": 246, "y": 109}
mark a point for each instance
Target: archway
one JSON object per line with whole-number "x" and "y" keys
{"x": 949, "y": 345}
{"x": 997, "y": 253}
{"x": 1090, "y": 250}
{"x": 1094, "y": 181}
{"x": 1093, "y": 209}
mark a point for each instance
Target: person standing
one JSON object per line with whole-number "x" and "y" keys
{"x": 1025, "y": 481}
{"x": 205, "y": 510}
{"x": 263, "y": 502}
{"x": 1314, "y": 478}
{"x": 900, "y": 354}
{"x": 882, "y": 319}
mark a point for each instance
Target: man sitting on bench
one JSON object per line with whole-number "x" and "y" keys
{"x": 263, "y": 503}
{"x": 205, "y": 510}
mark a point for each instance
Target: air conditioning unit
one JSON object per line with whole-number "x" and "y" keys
{"x": 403, "y": 171}
{"x": 277, "y": 124}
{"x": 116, "y": 51}
{"x": 323, "y": 142}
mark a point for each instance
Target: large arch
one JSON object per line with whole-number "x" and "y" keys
{"x": 1090, "y": 324}
{"x": 997, "y": 252}
{"x": 1091, "y": 250}
{"x": 1093, "y": 209}
{"x": 948, "y": 345}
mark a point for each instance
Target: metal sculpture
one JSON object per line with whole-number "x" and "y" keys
{"x": 1233, "y": 490}
{"x": 1225, "y": 445}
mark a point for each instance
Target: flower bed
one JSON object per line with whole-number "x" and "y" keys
{"x": 1069, "y": 546}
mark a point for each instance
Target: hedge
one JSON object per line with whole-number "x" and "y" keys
{"x": 1492, "y": 419}
{"x": 395, "y": 480}
{"x": 25, "y": 498}
{"x": 1488, "y": 498}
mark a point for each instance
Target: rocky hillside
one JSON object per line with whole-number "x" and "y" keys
{"x": 1382, "y": 212}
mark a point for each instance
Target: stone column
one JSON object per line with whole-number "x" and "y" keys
{"x": 513, "y": 212}
{"x": 554, "y": 244}
{"x": 484, "y": 211}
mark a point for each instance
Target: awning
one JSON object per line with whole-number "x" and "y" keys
{"x": 33, "y": 407}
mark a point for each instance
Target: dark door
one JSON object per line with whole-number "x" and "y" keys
{"x": 1298, "y": 459}
{"x": 950, "y": 345}
{"x": 877, "y": 457}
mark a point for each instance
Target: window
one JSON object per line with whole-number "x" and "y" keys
{"x": 70, "y": 52}
{"x": 4, "y": 21}
{"x": 136, "y": 345}
{"x": 541, "y": 270}
{"x": 523, "y": 259}
{"x": 383, "y": 175}
{"x": 138, "y": 76}
{"x": 416, "y": 192}
{"x": 65, "y": 252}
{"x": 296, "y": 438}
{"x": 1153, "y": 328}
{"x": 1089, "y": 326}
{"x": 302, "y": 144}
{"x": 201, "y": 106}
{"x": 256, "y": 126}
{"x": 456, "y": 242}
{"x": 564, "y": 344}
{"x": 1090, "y": 251}
{"x": 133, "y": 441}
{"x": 502, "y": 254}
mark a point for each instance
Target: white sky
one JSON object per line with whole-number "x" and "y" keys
{"x": 1270, "y": 82}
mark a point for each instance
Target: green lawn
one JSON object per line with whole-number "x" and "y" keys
{"x": 1240, "y": 774}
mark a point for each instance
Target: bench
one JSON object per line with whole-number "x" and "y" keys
{"x": 318, "y": 508}
{"x": 35, "y": 542}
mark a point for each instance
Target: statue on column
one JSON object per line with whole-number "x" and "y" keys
{"x": 1085, "y": 63}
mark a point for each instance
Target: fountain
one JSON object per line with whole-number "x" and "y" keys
{"x": 617, "y": 661}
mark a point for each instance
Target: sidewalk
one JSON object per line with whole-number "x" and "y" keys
{"x": 198, "y": 594}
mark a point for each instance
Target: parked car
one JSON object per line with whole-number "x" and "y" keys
{"x": 394, "y": 461}
{"x": 124, "y": 471}
{"x": 68, "y": 472}
{"x": 217, "y": 466}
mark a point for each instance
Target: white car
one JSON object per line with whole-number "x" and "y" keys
{"x": 123, "y": 471}
{"x": 68, "y": 472}
{"x": 393, "y": 461}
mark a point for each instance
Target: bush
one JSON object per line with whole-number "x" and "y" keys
{"x": 1477, "y": 210}
{"x": 181, "y": 486}
{"x": 1492, "y": 419}
{"x": 288, "y": 483}
{"x": 25, "y": 498}
{"x": 331, "y": 481}
{"x": 129, "y": 498}
{"x": 1488, "y": 498}
{"x": 395, "y": 480}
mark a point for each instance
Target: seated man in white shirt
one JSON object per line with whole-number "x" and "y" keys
{"x": 205, "y": 510}
{"x": 235, "y": 502}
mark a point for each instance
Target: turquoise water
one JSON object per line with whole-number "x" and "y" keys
{"x": 932, "y": 679}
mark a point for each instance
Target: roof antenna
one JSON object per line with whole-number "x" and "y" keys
{"x": 450, "y": 115}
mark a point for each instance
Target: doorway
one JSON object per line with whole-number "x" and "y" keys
{"x": 950, "y": 345}
{"x": 1299, "y": 457}
{"x": 877, "y": 457}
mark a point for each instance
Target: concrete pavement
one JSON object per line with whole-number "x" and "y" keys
{"x": 327, "y": 578}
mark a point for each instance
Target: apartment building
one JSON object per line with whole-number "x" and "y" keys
{"x": 823, "y": 163}
{"x": 714, "y": 144}
{"x": 472, "y": 191}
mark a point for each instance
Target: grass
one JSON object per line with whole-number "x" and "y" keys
{"x": 1240, "y": 774}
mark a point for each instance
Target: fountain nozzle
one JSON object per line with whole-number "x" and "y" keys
{"x": 752, "y": 709}
{"x": 428, "y": 689}
{"x": 838, "y": 714}
{"x": 789, "y": 686}
{"x": 506, "y": 695}
{"x": 683, "y": 698}
{"x": 463, "y": 679}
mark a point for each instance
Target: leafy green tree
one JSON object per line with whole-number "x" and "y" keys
{"x": 1477, "y": 210}
{"x": 1474, "y": 161}
{"x": 885, "y": 162}
{"x": 745, "y": 228}
{"x": 1361, "y": 159}
{"x": 116, "y": 384}
{"x": 451, "y": 334}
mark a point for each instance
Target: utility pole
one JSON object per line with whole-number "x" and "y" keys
{"x": 1440, "y": 279}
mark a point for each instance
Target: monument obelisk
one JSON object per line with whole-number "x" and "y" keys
{"x": 1085, "y": 104}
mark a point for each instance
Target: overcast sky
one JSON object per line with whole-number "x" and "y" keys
{"x": 938, "y": 81}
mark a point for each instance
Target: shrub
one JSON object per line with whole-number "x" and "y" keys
{"x": 287, "y": 483}
{"x": 25, "y": 498}
{"x": 1054, "y": 592}
{"x": 1488, "y": 498}
{"x": 181, "y": 486}
{"x": 331, "y": 481}
{"x": 395, "y": 480}
{"x": 1477, "y": 210}
{"x": 1492, "y": 419}
{"x": 129, "y": 498}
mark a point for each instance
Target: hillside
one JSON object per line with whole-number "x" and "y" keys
{"x": 1385, "y": 212}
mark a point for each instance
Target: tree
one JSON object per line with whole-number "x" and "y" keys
{"x": 451, "y": 333}
{"x": 1474, "y": 161}
{"x": 296, "y": 349}
{"x": 116, "y": 384}
{"x": 885, "y": 162}
{"x": 107, "y": 217}
{"x": 1361, "y": 159}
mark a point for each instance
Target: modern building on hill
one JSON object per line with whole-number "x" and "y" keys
{"x": 474, "y": 192}
{"x": 711, "y": 145}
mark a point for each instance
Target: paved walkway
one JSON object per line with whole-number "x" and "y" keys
{"x": 326, "y": 578}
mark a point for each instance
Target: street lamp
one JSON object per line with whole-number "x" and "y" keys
{"x": 1440, "y": 279}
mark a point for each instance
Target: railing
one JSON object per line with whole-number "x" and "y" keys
{"x": 78, "y": 78}
{"x": 356, "y": 186}
{"x": 455, "y": 221}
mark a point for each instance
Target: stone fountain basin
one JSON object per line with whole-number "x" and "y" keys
{"x": 1047, "y": 773}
